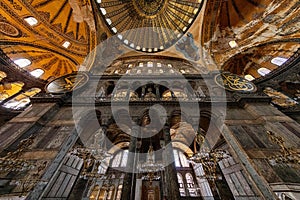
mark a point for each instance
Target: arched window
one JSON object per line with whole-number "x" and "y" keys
{"x": 233, "y": 44}
{"x": 37, "y": 73}
{"x": 183, "y": 160}
{"x": 103, "y": 11}
{"x": 176, "y": 158}
{"x": 103, "y": 193}
{"x": 180, "y": 159}
{"x": 263, "y": 71}
{"x": 22, "y": 62}
{"x": 124, "y": 158}
{"x": 117, "y": 160}
{"x": 31, "y": 21}
{"x": 181, "y": 185}
{"x": 189, "y": 180}
{"x": 149, "y": 64}
{"x": 95, "y": 193}
{"x": 278, "y": 61}
{"x": 103, "y": 166}
{"x": 191, "y": 185}
{"x": 66, "y": 44}
{"x": 111, "y": 192}
{"x": 22, "y": 100}
{"x": 204, "y": 186}
{"x": 119, "y": 192}
{"x": 108, "y": 188}
{"x": 249, "y": 77}
{"x": 120, "y": 159}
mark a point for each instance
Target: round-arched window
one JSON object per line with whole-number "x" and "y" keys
{"x": 263, "y": 71}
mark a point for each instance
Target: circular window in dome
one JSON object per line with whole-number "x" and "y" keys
{"x": 149, "y": 25}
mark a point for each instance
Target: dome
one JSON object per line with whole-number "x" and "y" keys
{"x": 149, "y": 25}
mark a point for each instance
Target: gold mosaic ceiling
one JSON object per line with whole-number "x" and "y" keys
{"x": 149, "y": 25}
{"x": 58, "y": 22}
{"x": 260, "y": 29}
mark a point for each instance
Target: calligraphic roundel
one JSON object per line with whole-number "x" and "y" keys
{"x": 67, "y": 83}
{"x": 233, "y": 82}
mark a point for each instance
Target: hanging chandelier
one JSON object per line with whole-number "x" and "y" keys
{"x": 207, "y": 158}
{"x": 13, "y": 162}
{"x": 287, "y": 156}
{"x": 92, "y": 156}
{"x": 151, "y": 166}
{"x": 32, "y": 169}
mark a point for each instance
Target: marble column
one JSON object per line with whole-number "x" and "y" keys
{"x": 128, "y": 93}
{"x": 129, "y": 180}
{"x": 157, "y": 92}
{"x": 170, "y": 170}
{"x": 143, "y": 92}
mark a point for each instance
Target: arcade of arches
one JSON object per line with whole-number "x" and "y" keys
{"x": 149, "y": 99}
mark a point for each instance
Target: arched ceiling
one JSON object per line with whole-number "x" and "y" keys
{"x": 149, "y": 25}
{"x": 254, "y": 58}
{"x": 261, "y": 30}
{"x": 58, "y": 22}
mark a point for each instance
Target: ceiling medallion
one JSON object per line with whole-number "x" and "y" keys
{"x": 233, "y": 82}
{"x": 149, "y": 7}
{"x": 149, "y": 25}
{"x": 9, "y": 30}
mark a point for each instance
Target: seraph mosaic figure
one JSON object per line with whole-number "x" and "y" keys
{"x": 188, "y": 48}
